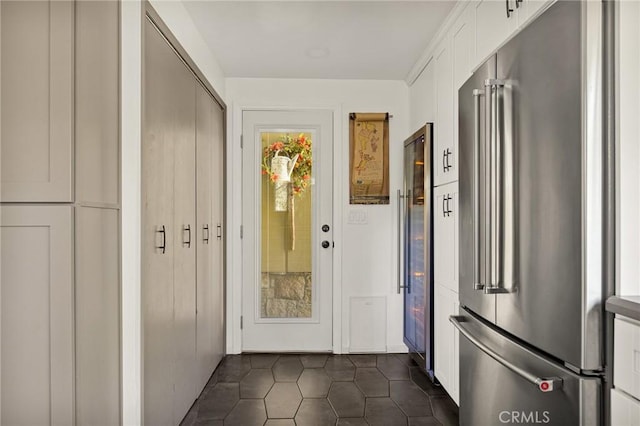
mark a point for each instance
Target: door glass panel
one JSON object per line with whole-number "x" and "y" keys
{"x": 286, "y": 289}
{"x": 416, "y": 268}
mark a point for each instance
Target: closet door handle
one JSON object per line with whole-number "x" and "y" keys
{"x": 187, "y": 229}
{"x": 509, "y": 10}
{"x": 205, "y": 233}
{"x": 163, "y": 244}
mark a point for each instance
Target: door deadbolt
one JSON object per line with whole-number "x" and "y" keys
{"x": 325, "y": 228}
{"x": 325, "y": 244}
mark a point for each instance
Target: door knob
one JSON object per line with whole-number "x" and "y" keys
{"x": 325, "y": 244}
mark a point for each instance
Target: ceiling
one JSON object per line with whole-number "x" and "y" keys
{"x": 318, "y": 39}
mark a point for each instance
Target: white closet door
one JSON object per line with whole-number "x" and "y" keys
{"x": 217, "y": 249}
{"x": 36, "y": 140}
{"x": 205, "y": 236}
{"x": 183, "y": 86}
{"x": 36, "y": 315}
{"x": 158, "y": 228}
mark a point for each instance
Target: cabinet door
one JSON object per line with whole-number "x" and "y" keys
{"x": 445, "y": 155}
{"x": 217, "y": 248}
{"x": 493, "y": 26}
{"x": 36, "y": 283}
{"x": 446, "y": 340}
{"x": 183, "y": 136}
{"x": 205, "y": 236}
{"x": 158, "y": 227}
{"x": 463, "y": 48}
{"x": 36, "y": 140}
{"x": 97, "y": 154}
{"x": 445, "y": 225}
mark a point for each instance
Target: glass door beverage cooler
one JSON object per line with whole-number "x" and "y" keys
{"x": 416, "y": 247}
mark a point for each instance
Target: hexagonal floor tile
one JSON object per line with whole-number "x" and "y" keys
{"x": 283, "y": 401}
{"x": 347, "y": 399}
{"x": 410, "y": 398}
{"x": 219, "y": 401}
{"x": 280, "y": 422}
{"x": 383, "y": 412}
{"x": 256, "y": 383}
{"x": 247, "y": 412}
{"x": 287, "y": 368}
{"x": 371, "y": 382}
{"x": 313, "y": 360}
{"x": 263, "y": 360}
{"x": 363, "y": 360}
{"x": 315, "y": 412}
{"x": 314, "y": 383}
{"x": 424, "y": 421}
{"x": 340, "y": 368}
{"x": 392, "y": 367}
{"x": 357, "y": 421}
{"x": 233, "y": 368}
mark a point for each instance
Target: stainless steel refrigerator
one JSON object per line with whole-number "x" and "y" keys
{"x": 415, "y": 247}
{"x": 531, "y": 226}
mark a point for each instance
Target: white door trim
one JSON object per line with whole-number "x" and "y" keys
{"x": 234, "y": 215}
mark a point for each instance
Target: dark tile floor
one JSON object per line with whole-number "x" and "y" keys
{"x": 314, "y": 389}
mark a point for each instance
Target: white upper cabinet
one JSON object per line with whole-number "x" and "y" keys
{"x": 463, "y": 45}
{"x": 422, "y": 97}
{"x": 445, "y": 151}
{"x": 495, "y": 22}
{"x": 36, "y": 140}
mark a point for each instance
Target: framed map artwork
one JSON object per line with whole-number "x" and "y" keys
{"x": 368, "y": 158}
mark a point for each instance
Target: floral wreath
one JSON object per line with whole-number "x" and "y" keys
{"x": 289, "y": 147}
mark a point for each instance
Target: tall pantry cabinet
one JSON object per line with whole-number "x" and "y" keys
{"x": 182, "y": 207}
{"x": 59, "y": 213}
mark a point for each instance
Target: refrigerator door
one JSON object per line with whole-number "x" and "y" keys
{"x": 418, "y": 279}
{"x": 474, "y": 192}
{"x": 503, "y": 382}
{"x": 553, "y": 290}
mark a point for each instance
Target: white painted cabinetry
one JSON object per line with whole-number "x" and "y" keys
{"x": 493, "y": 25}
{"x": 444, "y": 151}
{"x": 446, "y": 286}
{"x": 446, "y": 350}
{"x": 37, "y": 78}
{"x": 59, "y": 143}
{"x": 625, "y": 397}
{"x": 445, "y": 222}
{"x": 36, "y": 283}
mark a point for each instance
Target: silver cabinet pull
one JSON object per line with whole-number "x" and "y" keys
{"x": 186, "y": 242}
{"x": 163, "y": 244}
{"x": 477, "y": 97}
{"x": 549, "y": 384}
{"x": 219, "y": 231}
{"x": 509, "y": 10}
{"x": 205, "y": 233}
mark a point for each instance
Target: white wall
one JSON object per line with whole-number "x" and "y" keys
{"x": 365, "y": 255}
{"x": 629, "y": 149}
{"x": 179, "y": 22}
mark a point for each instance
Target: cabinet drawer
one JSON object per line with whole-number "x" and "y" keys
{"x": 626, "y": 374}
{"x": 625, "y": 410}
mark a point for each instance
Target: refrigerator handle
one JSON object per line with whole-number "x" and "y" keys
{"x": 548, "y": 384}
{"x": 401, "y": 284}
{"x": 477, "y": 97}
{"x": 492, "y": 88}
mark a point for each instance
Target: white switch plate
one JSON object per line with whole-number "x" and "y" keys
{"x": 357, "y": 217}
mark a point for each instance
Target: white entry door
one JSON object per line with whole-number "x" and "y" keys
{"x": 287, "y": 240}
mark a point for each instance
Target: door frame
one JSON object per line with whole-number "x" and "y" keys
{"x": 234, "y": 216}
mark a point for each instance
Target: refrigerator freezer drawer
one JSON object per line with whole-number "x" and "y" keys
{"x": 626, "y": 371}
{"x": 502, "y": 382}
